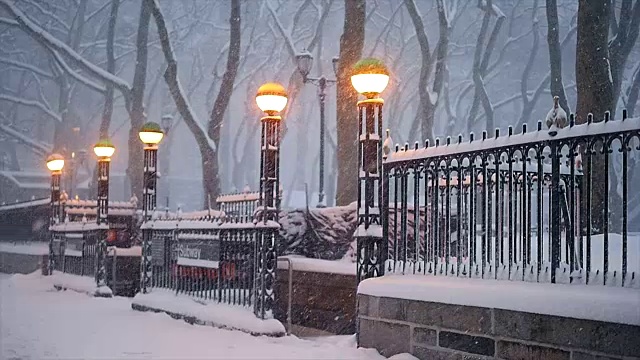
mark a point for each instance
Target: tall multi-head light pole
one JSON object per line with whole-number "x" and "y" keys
{"x": 304, "y": 62}
{"x": 150, "y": 134}
{"x": 55, "y": 163}
{"x": 370, "y": 77}
{"x": 103, "y": 149}
{"x": 271, "y": 99}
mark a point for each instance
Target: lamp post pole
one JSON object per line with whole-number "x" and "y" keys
{"x": 150, "y": 134}
{"x": 104, "y": 149}
{"x": 271, "y": 99}
{"x": 55, "y": 163}
{"x": 370, "y": 79}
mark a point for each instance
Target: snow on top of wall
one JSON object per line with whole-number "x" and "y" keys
{"x": 301, "y": 263}
{"x": 616, "y": 305}
{"x": 25, "y": 248}
{"x": 25, "y": 204}
{"x": 221, "y": 315}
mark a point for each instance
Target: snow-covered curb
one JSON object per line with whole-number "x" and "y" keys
{"x": 223, "y": 316}
{"x": 599, "y": 303}
{"x": 81, "y": 284}
{"x": 301, "y": 263}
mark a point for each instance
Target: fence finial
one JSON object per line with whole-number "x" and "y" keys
{"x": 539, "y": 125}
{"x": 572, "y": 119}
{"x": 415, "y": 146}
{"x": 524, "y": 128}
{"x": 497, "y": 132}
{"x": 471, "y": 136}
{"x": 510, "y": 130}
{"x": 397, "y": 147}
{"x": 624, "y": 114}
{"x": 437, "y": 142}
{"x": 459, "y": 138}
{"x": 426, "y": 143}
{"x": 607, "y": 116}
{"x": 406, "y": 146}
{"x": 589, "y": 118}
{"x": 448, "y": 140}
{"x": 484, "y": 134}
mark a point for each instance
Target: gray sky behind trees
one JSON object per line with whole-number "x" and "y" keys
{"x": 33, "y": 75}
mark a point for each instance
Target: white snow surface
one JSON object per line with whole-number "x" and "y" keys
{"x": 81, "y": 284}
{"x": 36, "y": 248}
{"x": 301, "y": 263}
{"x": 221, "y": 315}
{"x": 617, "y": 305}
{"x": 38, "y": 323}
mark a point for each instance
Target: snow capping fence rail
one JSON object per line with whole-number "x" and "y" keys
{"x": 215, "y": 257}
{"x": 544, "y": 206}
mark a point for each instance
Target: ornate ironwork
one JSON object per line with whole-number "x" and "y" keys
{"x": 516, "y": 207}
{"x": 371, "y": 249}
{"x": 148, "y": 207}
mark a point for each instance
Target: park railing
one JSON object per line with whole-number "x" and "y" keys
{"x": 537, "y": 206}
{"x": 216, "y": 257}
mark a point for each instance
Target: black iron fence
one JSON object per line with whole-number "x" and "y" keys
{"x": 218, "y": 257}
{"x": 537, "y": 206}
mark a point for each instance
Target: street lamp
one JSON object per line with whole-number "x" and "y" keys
{"x": 271, "y": 99}
{"x": 103, "y": 149}
{"x": 55, "y": 163}
{"x": 150, "y": 134}
{"x": 305, "y": 61}
{"x": 370, "y": 78}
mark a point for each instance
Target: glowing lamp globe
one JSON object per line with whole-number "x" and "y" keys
{"x": 151, "y": 133}
{"x": 271, "y": 98}
{"x": 104, "y": 148}
{"x": 55, "y": 162}
{"x": 370, "y": 77}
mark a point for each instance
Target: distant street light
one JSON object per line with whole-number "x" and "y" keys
{"x": 55, "y": 163}
{"x": 167, "y": 123}
{"x": 150, "y": 134}
{"x": 305, "y": 61}
{"x": 370, "y": 78}
{"x": 103, "y": 149}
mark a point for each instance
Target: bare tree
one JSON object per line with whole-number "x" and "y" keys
{"x": 351, "y": 46}
{"x": 555, "y": 54}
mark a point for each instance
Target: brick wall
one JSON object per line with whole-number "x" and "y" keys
{"x": 321, "y": 301}
{"x": 435, "y": 331}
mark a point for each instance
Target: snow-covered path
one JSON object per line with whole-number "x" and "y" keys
{"x": 40, "y": 323}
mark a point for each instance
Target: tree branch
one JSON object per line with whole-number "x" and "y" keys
{"x": 33, "y": 104}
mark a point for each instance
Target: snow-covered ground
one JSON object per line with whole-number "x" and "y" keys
{"x": 37, "y": 322}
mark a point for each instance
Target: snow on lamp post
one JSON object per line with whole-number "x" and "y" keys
{"x": 271, "y": 99}
{"x": 150, "y": 134}
{"x": 370, "y": 77}
{"x": 55, "y": 163}
{"x": 103, "y": 149}
{"x": 305, "y": 61}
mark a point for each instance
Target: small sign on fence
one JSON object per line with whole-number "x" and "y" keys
{"x": 201, "y": 253}
{"x": 158, "y": 246}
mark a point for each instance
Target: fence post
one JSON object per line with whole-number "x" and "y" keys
{"x": 556, "y": 192}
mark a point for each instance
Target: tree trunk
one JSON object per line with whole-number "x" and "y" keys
{"x": 138, "y": 117}
{"x": 621, "y": 45}
{"x": 634, "y": 90}
{"x": 351, "y": 45}
{"x": 555, "y": 54}
{"x": 211, "y": 175}
{"x": 111, "y": 67}
{"x": 595, "y": 89}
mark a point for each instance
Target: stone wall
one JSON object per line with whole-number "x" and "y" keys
{"x": 12, "y": 263}
{"x": 321, "y": 301}
{"x": 434, "y": 331}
